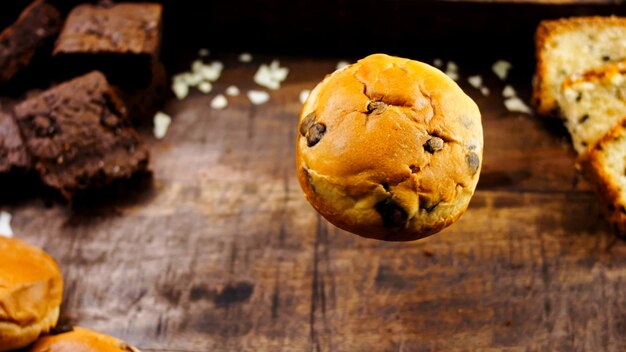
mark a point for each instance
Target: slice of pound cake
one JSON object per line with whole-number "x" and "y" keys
{"x": 568, "y": 47}
{"x": 593, "y": 103}
{"x": 605, "y": 166}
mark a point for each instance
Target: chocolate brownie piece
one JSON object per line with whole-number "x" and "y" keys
{"x": 12, "y": 151}
{"x": 20, "y": 41}
{"x": 121, "y": 40}
{"x": 78, "y": 135}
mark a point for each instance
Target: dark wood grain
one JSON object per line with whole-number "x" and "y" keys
{"x": 222, "y": 252}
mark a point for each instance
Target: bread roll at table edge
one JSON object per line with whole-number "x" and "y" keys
{"x": 31, "y": 290}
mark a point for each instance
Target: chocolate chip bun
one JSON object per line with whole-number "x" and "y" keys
{"x": 389, "y": 148}
{"x": 31, "y": 288}
{"x": 81, "y": 340}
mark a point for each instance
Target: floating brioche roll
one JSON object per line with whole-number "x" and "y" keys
{"x": 389, "y": 148}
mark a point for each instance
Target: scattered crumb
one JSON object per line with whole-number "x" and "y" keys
{"x": 258, "y": 97}
{"x": 196, "y": 65}
{"x": 245, "y": 57}
{"x": 475, "y": 81}
{"x": 204, "y": 52}
{"x": 5, "y": 224}
{"x": 342, "y": 64}
{"x": 501, "y": 68}
{"x": 508, "y": 91}
{"x": 233, "y": 91}
{"x": 279, "y": 73}
{"x": 270, "y": 76}
{"x": 304, "y": 95}
{"x": 438, "y": 63}
{"x": 219, "y": 102}
{"x": 515, "y": 104}
{"x": 211, "y": 72}
{"x": 453, "y": 75}
{"x": 452, "y": 70}
{"x": 162, "y": 122}
{"x": 484, "y": 91}
{"x": 205, "y": 87}
{"x": 180, "y": 88}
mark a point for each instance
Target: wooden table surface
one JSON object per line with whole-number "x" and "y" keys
{"x": 221, "y": 252}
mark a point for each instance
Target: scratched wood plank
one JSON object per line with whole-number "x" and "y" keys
{"x": 221, "y": 251}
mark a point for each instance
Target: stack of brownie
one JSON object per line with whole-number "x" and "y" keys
{"x": 78, "y": 134}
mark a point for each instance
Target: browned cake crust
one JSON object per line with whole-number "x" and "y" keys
{"x": 12, "y": 151}
{"x": 121, "y": 40}
{"x": 19, "y": 42}
{"x": 544, "y": 101}
{"x": 79, "y": 136}
{"x": 595, "y": 168}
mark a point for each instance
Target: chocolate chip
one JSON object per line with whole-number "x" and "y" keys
{"x": 579, "y": 97}
{"x": 433, "y": 144}
{"x": 315, "y": 134}
{"x": 473, "y": 162}
{"x": 306, "y": 123}
{"x": 44, "y": 127}
{"x": 583, "y": 118}
{"x": 430, "y": 207}
{"x": 392, "y": 214}
{"x": 606, "y": 58}
{"x": 376, "y": 107}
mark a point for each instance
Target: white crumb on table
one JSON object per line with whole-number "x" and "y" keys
{"x": 5, "y": 224}
{"x": 180, "y": 89}
{"x": 484, "y": 91}
{"x": 258, "y": 97}
{"x": 508, "y": 91}
{"x": 245, "y": 57}
{"x": 270, "y": 76}
{"x": 452, "y": 70}
{"x": 219, "y": 102}
{"x": 501, "y": 68}
{"x": 162, "y": 122}
{"x": 210, "y": 72}
{"x": 232, "y": 91}
{"x": 475, "y": 81}
{"x": 438, "y": 63}
{"x": 515, "y": 104}
{"x": 304, "y": 94}
{"x": 341, "y": 64}
{"x": 205, "y": 87}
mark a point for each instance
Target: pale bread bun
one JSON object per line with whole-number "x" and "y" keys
{"x": 81, "y": 340}
{"x": 389, "y": 148}
{"x": 31, "y": 289}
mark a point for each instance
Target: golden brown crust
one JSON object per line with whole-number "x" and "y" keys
{"x": 31, "y": 289}
{"x": 389, "y": 148}
{"x": 606, "y": 186}
{"x": 544, "y": 102}
{"x": 81, "y": 340}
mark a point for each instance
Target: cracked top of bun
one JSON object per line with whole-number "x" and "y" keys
{"x": 389, "y": 148}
